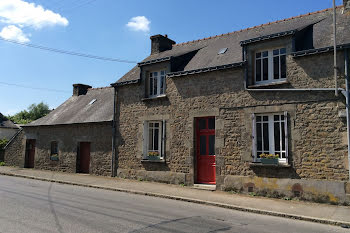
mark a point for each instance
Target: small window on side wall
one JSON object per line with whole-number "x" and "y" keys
{"x": 270, "y": 66}
{"x": 54, "y": 151}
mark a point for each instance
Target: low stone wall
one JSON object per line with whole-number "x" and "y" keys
{"x": 156, "y": 176}
{"x": 323, "y": 191}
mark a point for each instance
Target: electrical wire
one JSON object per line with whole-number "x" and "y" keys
{"x": 34, "y": 88}
{"x": 68, "y": 52}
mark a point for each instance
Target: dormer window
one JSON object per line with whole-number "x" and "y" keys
{"x": 157, "y": 83}
{"x": 270, "y": 66}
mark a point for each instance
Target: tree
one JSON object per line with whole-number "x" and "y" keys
{"x": 34, "y": 111}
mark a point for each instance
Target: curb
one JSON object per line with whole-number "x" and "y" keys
{"x": 197, "y": 201}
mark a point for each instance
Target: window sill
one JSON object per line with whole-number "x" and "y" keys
{"x": 268, "y": 84}
{"x": 258, "y": 164}
{"x": 153, "y": 161}
{"x": 155, "y": 97}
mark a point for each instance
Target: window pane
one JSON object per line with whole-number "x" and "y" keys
{"x": 282, "y": 117}
{"x": 202, "y": 124}
{"x": 150, "y": 139}
{"x": 277, "y": 137}
{"x": 283, "y": 51}
{"x": 162, "y": 72}
{"x": 155, "y": 83}
{"x": 258, "y": 70}
{"x": 211, "y": 123}
{"x": 258, "y": 118}
{"x": 283, "y": 155}
{"x": 276, "y": 117}
{"x": 156, "y": 139}
{"x": 265, "y": 118}
{"x": 265, "y": 69}
{"x": 258, "y": 136}
{"x": 257, "y": 55}
{"x": 276, "y": 52}
{"x": 162, "y": 84}
{"x": 265, "y": 54}
{"x": 283, "y": 137}
{"x": 211, "y": 144}
{"x": 151, "y": 86}
{"x": 276, "y": 67}
{"x": 283, "y": 66}
{"x": 266, "y": 136}
{"x": 203, "y": 145}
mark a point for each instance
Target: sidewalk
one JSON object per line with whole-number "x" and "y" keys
{"x": 321, "y": 213}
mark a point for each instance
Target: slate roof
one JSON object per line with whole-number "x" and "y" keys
{"x": 78, "y": 110}
{"x": 6, "y": 123}
{"x": 208, "y": 48}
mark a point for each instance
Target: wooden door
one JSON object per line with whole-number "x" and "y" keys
{"x": 205, "y": 142}
{"x": 30, "y": 153}
{"x": 84, "y": 157}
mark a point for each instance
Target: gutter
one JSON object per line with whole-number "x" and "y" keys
{"x": 347, "y": 96}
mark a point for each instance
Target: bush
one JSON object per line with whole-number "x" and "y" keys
{"x": 3, "y": 143}
{"x": 2, "y": 163}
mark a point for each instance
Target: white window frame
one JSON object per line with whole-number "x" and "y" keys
{"x": 161, "y": 138}
{"x": 271, "y": 149}
{"x": 158, "y": 80}
{"x": 270, "y": 66}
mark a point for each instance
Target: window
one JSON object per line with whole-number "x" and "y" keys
{"x": 157, "y": 83}
{"x": 154, "y": 135}
{"x": 54, "y": 148}
{"x": 270, "y": 135}
{"x": 270, "y": 66}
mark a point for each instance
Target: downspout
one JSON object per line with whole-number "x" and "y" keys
{"x": 114, "y": 154}
{"x": 346, "y": 72}
{"x": 335, "y": 48}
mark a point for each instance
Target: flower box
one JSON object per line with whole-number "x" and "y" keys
{"x": 269, "y": 161}
{"x": 54, "y": 157}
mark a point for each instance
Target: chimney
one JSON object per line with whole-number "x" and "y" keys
{"x": 346, "y": 5}
{"x": 161, "y": 43}
{"x": 80, "y": 89}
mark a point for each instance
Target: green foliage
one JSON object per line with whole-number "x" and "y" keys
{"x": 3, "y": 143}
{"x": 34, "y": 111}
{"x": 2, "y": 163}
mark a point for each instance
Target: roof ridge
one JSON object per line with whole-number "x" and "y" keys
{"x": 257, "y": 26}
{"x": 97, "y": 88}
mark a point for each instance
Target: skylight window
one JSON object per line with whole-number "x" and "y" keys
{"x": 92, "y": 101}
{"x": 222, "y": 51}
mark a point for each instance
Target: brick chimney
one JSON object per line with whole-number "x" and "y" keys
{"x": 346, "y": 4}
{"x": 80, "y": 89}
{"x": 160, "y": 43}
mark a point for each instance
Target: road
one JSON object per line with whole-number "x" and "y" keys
{"x": 36, "y": 206}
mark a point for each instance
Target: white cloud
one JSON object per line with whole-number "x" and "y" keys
{"x": 26, "y": 14}
{"x": 139, "y": 23}
{"x": 12, "y": 32}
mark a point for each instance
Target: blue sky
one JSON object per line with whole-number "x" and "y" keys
{"x": 109, "y": 28}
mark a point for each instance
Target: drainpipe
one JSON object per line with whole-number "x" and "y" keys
{"x": 346, "y": 72}
{"x": 114, "y": 134}
{"x": 335, "y": 49}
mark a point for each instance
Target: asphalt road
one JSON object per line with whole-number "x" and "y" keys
{"x": 36, "y": 206}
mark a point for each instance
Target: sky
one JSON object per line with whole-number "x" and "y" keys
{"x": 113, "y": 29}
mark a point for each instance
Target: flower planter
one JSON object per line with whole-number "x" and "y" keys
{"x": 269, "y": 161}
{"x": 54, "y": 158}
{"x": 153, "y": 157}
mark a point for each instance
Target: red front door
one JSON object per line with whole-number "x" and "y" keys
{"x": 84, "y": 156}
{"x": 205, "y": 128}
{"x": 30, "y": 152}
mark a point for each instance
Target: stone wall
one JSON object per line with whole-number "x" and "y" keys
{"x": 14, "y": 152}
{"x": 317, "y": 147}
{"x": 68, "y": 138}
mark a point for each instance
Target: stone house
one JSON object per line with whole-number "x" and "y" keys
{"x": 75, "y": 137}
{"x": 204, "y": 112}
